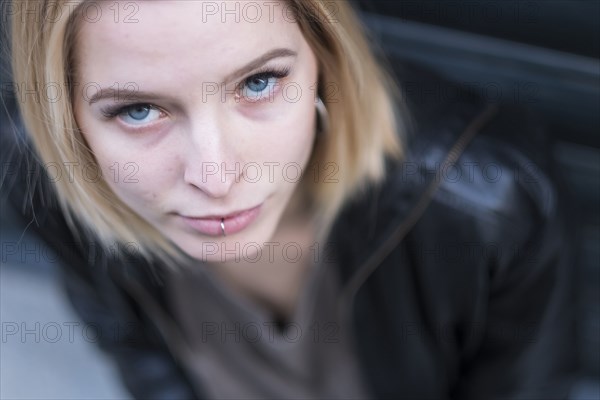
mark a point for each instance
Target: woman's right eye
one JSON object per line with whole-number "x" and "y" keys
{"x": 140, "y": 114}
{"x": 136, "y": 114}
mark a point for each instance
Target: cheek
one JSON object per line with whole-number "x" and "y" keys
{"x": 145, "y": 181}
{"x": 299, "y": 135}
{"x": 140, "y": 179}
{"x": 290, "y": 139}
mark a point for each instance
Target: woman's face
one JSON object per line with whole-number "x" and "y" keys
{"x": 199, "y": 109}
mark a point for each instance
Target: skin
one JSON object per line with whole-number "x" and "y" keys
{"x": 161, "y": 153}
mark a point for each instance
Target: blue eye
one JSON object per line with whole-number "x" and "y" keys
{"x": 259, "y": 86}
{"x": 263, "y": 84}
{"x": 139, "y": 114}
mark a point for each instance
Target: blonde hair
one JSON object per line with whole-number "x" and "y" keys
{"x": 359, "y": 94}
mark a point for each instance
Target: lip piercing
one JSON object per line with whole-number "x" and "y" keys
{"x": 223, "y": 226}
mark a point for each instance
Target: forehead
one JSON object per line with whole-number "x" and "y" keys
{"x": 188, "y": 36}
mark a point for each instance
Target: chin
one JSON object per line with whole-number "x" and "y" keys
{"x": 251, "y": 247}
{"x": 230, "y": 251}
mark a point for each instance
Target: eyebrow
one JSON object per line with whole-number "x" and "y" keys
{"x": 122, "y": 94}
{"x": 136, "y": 95}
{"x": 258, "y": 62}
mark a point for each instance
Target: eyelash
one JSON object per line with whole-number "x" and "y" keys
{"x": 267, "y": 72}
{"x": 114, "y": 111}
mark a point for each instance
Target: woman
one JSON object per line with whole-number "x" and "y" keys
{"x": 249, "y": 223}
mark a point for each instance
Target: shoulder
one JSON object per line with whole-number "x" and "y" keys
{"x": 495, "y": 173}
{"x": 502, "y": 193}
{"x": 482, "y": 254}
{"x": 505, "y": 174}
{"x": 502, "y": 185}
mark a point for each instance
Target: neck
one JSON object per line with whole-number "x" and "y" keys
{"x": 275, "y": 283}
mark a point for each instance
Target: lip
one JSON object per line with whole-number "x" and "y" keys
{"x": 234, "y": 222}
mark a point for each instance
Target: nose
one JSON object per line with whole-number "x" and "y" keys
{"x": 212, "y": 164}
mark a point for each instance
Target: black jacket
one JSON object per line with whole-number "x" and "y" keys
{"x": 458, "y": 275}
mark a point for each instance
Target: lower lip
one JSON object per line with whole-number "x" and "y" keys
{"x": 234, "y": 224}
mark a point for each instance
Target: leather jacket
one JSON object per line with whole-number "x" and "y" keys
{"x": 457, "y": 275}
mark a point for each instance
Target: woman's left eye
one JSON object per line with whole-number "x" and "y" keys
{"x": 139, "y": 114}
{"x": 262, "y": 85}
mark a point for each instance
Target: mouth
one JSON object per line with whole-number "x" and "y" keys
{"x": 232, "y": 223}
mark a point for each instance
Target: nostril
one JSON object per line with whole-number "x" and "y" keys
{"x": 215, "y": 180}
